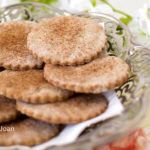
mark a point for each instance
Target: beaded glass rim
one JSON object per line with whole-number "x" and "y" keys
{"x": 133, "y": 94}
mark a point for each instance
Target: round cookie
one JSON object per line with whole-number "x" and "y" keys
{"x": 100, "y": 75}
{"x": 30, "y": 86}
{"x": 27, "y": 131}
{"x": 67, "y": 40}
{"x": 8, "y": 109}
{"x": 76, "y": 109}
{"x": 14, "y": 53}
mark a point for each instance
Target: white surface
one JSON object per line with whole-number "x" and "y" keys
{"x": 71, "y": 132}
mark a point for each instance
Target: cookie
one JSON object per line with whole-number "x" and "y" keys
{"x": 30, "y": 86}
{"x": 8, "y": 109}
{"x": 26, "y": 131}
{"x": 14, "y": 53}
{"x": 76, "y": 109}
{"x": 67, "y": 40}
{"x": 100, "y": 75}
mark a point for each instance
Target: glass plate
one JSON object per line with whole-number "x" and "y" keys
{"x": 133, "y": 94}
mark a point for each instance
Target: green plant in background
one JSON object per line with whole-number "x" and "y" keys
{"x": 125, "y": 19}
{"x": 93, "y": 2}
{"x": 48, "y": 2}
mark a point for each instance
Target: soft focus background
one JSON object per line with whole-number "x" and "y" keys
{"x": 136, "y": 15}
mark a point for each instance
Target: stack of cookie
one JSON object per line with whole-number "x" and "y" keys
{"x": 55, "y": 72}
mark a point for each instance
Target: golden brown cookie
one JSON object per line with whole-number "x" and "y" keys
{"x": 14, "y": 53}
{"x": 8, "y": 109}
{"x": 102, "y": 74}
{"x": 67, "y": 40}
{"x": 30, "y": 86}
{"x": 26, "y": 131}
{"x": 76, "y": 109}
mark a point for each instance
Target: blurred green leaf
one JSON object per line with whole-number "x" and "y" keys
{"x": 86, "y": 11}
{"x": 119, "y": 30}
{"x": 125, "y": 19}
{"x": 93, "y": 2}
{"x": 48, "y": 2}
{"x": 148, "y": 13}
{"x": 142, "y": 33}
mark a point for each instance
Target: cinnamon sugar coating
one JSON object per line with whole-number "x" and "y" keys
{"x": 67, "y": 40}
{"x": 100, "y": 75}
{"x": 14, "y": 53}
{"x": 30, "y": 86}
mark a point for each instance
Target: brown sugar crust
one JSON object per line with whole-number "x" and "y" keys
{"x": 8, "y": 111}
{"x": 14, "y": 53}
{"x": 100, "y": 75}
{"x": 67, "y": 40}
{"x": 76, "y": 109}
{"x": 30, "y": 86}
{"x": 27, "y": 131}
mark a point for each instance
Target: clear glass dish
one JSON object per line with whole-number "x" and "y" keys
{"x": 134, "y": 94}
